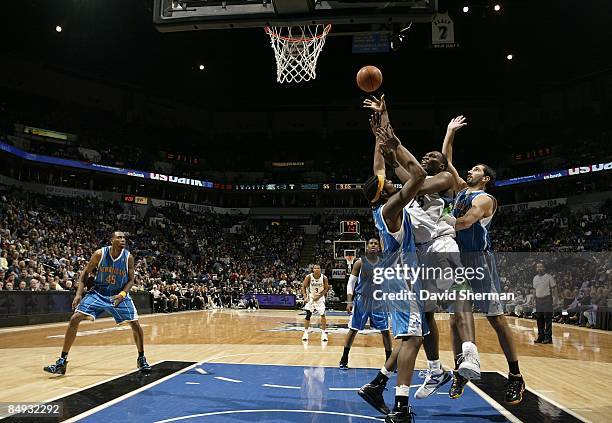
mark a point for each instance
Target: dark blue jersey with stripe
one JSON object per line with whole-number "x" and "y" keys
{"x": 366, "y": 275}
{"x": 112, "y": 273}
{"x": 476, "y": 237}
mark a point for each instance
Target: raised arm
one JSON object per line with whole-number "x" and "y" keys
{"x": 378, "y": 106}
{"x": 415, "y": 175}
{"x": 447, "y": 149}
{"x": 440, "y": 182}
{"x": 482, "y": 206}
{"x": 379, "y": 161}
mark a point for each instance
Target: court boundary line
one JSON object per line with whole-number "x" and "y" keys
{"x": 98, "y": 383}
{"x": 497, "y": 406}
{"x": 208, "y": 360}
{"x": 216, "y": 413}
{"x": 129, "y": 394}
{"x": 553, "y": 402}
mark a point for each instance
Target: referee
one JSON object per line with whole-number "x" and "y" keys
{"x": 545, "y": 289}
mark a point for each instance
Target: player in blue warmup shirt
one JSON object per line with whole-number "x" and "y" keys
{"x": 110, "y": 292}
{"x": 360, "y": 286}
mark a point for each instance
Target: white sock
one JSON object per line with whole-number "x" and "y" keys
{"x": 402, "y": 391}
{"x": 434, "y": 365}
{"x": 385, "y": 372}
{"x": 468, "y": 346}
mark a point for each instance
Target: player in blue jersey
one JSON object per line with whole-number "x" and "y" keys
{"x": 393, "y": 223}
{"x": 474, "y": 209}
{"x": 360, "y": 285}
{"x": 112, "y": 284}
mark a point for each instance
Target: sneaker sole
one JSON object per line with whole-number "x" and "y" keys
{"x": 455, "y": 396}
{"x": 519, "y": 400}
{"x": 54, "y": 373}
{"x": 447, "y": 378}
{"x": 469, "y": 373}
{"x": 367, "y": 398}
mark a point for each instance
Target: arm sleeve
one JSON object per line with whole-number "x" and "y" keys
{"x": 350, "y": 286}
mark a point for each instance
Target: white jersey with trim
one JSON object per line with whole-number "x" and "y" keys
{"x": 316, "y": 286}
{"x": 431, "y": 217}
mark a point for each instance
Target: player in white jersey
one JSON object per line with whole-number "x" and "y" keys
{"x": 432, "y": 225}
{"x": 315, "y": 289}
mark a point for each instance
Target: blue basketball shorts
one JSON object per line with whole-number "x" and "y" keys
{"x": 94, "y": 304}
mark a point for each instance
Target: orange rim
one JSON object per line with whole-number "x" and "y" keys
{"x": 297, "y": 40}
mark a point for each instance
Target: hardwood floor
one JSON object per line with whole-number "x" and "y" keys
{"x": 574, "y": 371}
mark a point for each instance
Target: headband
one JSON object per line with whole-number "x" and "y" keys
{"x": 379, "y": 188}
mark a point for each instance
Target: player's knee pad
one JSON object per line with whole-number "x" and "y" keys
{"x": 308, "y": 314}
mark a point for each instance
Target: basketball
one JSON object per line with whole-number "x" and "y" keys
{"x": 369, "y": 78}
{"x": 263, "y": 230}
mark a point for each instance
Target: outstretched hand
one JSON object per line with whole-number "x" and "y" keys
{"x": 457, "y": 123}
{"x": 388, "y": 154}
{"x": 374, "y": 122}
{"x": 388, "y": 137}
{"x": 379, "y": 106}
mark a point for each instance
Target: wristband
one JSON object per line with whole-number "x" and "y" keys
{"x": 349, "y": 302}
{"x": 123, "y": 294}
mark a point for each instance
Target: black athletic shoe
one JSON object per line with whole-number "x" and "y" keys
{"x": 514, "y": 389}
{"x": 456, "y": 389}
{"x": 143, "y": 366}
{"x": 547, "y": 341}
{"x": 403, "y": 415}
{"x": 373, "y": 395}
{"x": 539, "y": 340}
{"x": 59, "y": 368}
{"x": 343, "y": 365}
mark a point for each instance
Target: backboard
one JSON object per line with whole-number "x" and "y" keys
{"x": 190, "y": 15}
{"x": 340, "y": 246}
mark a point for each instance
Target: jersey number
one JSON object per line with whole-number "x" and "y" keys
{"x": 110, "y": 279}
{"x": 443, "y": 31}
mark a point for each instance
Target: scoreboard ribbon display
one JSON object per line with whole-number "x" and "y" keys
{"x": 56, "y": 161}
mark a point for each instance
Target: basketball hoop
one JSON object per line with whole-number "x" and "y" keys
{"x": 349, "y": 256}
{"x": 296, "y": 49}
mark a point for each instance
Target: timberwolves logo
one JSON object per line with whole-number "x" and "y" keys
{"x": 331, "y": 328}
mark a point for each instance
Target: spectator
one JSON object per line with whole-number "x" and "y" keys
{"x": 545, "y": 296}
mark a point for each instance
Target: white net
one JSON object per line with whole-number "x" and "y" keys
{"x": 296, "y": 49}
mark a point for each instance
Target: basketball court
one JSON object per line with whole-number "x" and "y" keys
{"x": 226, "y": 365}
{"x": 234, "y": 365}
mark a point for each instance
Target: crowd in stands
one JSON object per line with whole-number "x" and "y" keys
{"x": 575, "y": 248}
{"x": 553, "y": 229}
{"x": 45, "y": 242}
{"x": 203, "y": 259}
